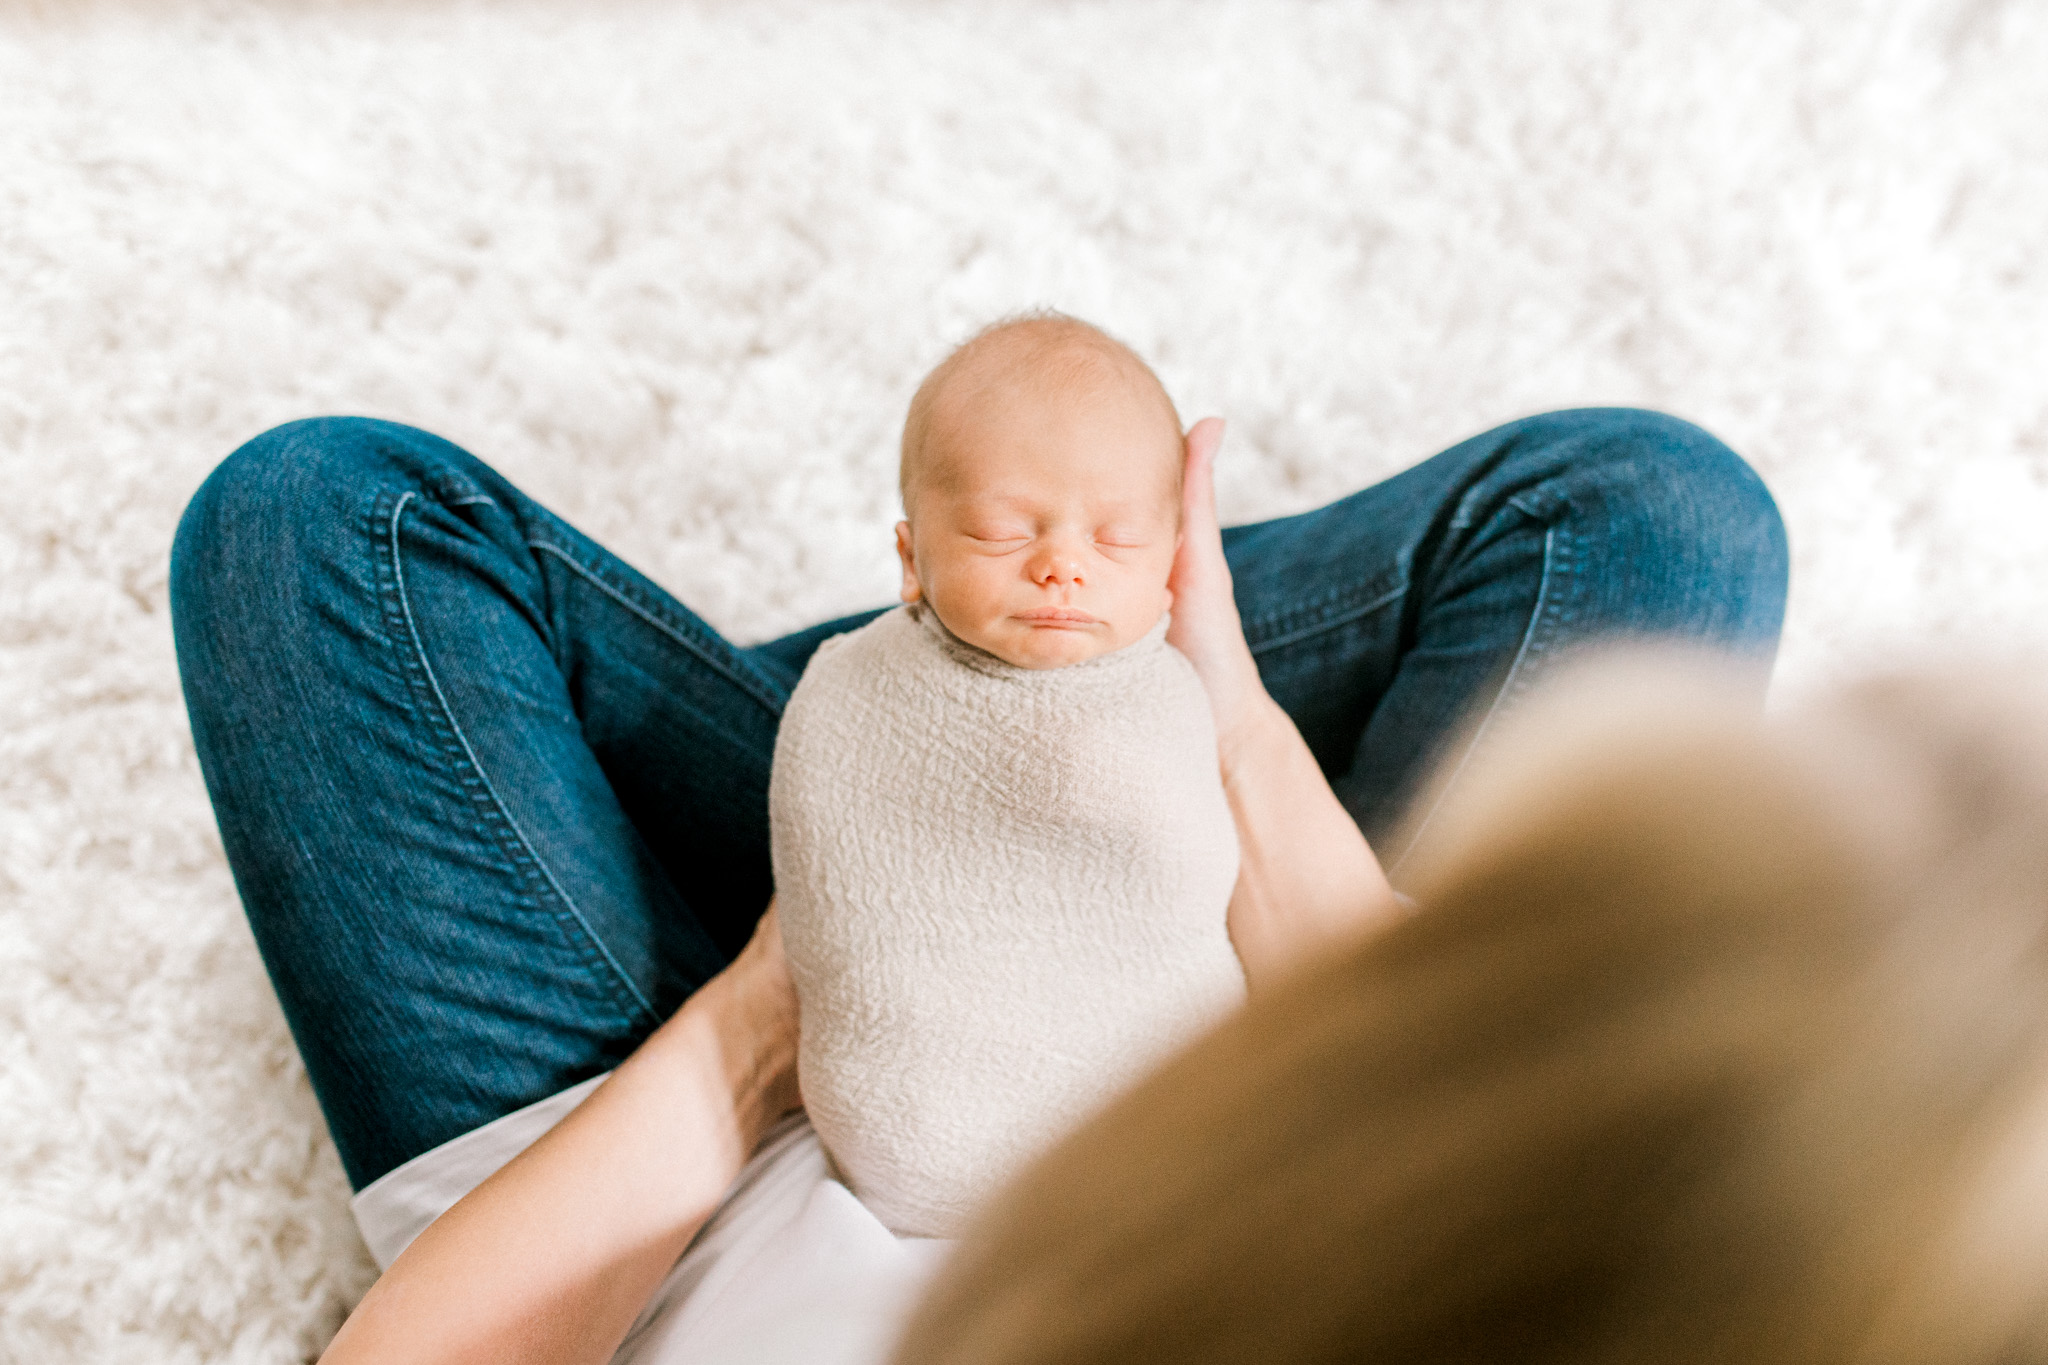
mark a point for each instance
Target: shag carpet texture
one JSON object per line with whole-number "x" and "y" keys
{"x": 676, "y": 269}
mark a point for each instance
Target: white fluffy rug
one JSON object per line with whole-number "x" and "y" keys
{"x": 676, "y": 268}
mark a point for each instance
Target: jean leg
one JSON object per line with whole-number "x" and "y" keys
{"x": 1383, "y": 621}
{"x": 494, "y": 803}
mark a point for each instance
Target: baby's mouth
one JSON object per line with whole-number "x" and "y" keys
{"x": 1056, "y": 616}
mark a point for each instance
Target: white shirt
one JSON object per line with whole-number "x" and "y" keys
{"x": 791, "y": 1270}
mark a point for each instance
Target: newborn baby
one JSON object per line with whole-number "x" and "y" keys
{"x": 1003, "y": 856}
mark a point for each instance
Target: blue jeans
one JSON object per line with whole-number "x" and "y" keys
{"x": 496, "y": 804}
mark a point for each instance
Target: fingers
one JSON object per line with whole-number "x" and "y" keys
{"x": 1198, "y": 479}
{"x": 1205, "y": 627}
{"x": 762, "y": 961}
{"x": 1201, "y": 543}
{"x": 767, "y": 932}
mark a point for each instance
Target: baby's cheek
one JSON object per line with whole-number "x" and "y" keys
{"x": 971, "y": 601}
{"x": 1151, "y": 602}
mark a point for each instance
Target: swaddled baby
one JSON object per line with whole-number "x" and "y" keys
{"x": 1003, "y": 856}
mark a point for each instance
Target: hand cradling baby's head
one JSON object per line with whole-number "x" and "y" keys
{"x": 1041, "y": 489}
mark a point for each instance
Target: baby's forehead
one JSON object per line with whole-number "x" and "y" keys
{"x": 995, "y": 484}
{"x": 1055, "y": 399}
{"x": 976, "y": 451}
{"x": 1043, "y": 374}
{"x": 1091, "y": 396}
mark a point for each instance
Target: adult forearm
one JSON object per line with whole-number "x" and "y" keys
{"x": 1307, "y": 874}
{"x": 554, "y": 1256}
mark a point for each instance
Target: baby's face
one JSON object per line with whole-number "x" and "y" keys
{"x": 1045, "y": 528}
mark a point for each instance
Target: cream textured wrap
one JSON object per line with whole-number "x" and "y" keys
{"x": 1003, "y": 894}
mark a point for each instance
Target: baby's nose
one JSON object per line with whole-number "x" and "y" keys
{"x": 1056, "y": 564}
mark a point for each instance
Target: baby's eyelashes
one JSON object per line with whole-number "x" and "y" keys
{"x": 1010, "y": 538}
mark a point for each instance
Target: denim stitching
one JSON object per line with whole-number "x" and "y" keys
{"x": 1541, "y": 503}
{"x": 1531, "y": 645}
{"x": 504, "y": 813}
{"x": 412, "y": 672}
{"x": 746, "y": 684}
{"x": 1335, "y": 607}
{"x": 1329, "y": 622}
{"x": 1554, "y": 613}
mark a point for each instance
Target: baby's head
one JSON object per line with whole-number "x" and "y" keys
{"x": 1041, "y": 490}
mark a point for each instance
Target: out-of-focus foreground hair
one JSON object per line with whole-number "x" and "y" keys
{"x": 1713, "y": 1040}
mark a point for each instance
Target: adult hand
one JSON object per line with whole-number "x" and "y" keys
{"x": 1205, "y": 625}
{"x": 763, "y": 1007}
{"x": 552, "y": 1258}
{"x": 1305, "y": 874}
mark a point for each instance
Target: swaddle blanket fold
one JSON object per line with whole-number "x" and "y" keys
{"x": 1003, "y": 895}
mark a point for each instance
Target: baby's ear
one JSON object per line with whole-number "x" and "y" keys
{"x": 911, "y": 591}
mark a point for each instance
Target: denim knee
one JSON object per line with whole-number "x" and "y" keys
{"x": 1681, "y": 496}
{"x": 250, "y": 500}
{"x": 1676, "y": 468}
{"x": 259, "y": 508}
{"x": 282, "y": 474}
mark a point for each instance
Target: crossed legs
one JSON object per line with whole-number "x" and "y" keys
{"x": 496, "y": 803}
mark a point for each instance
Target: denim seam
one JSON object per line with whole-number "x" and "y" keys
{"x": 1330, "y": 621}
{"x": 1332, "y": 607}
{"x": 1554, "y": 613}
{"x": 1531, "y": 646}
{"x": 737, "y": 678}
{"x": 1540, "y": 503}
{"x": 643, "y": 1005}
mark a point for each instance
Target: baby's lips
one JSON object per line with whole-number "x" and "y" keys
{"x": 1057, "y": 616}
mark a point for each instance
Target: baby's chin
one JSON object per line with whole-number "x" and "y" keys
{"x": 1031, "y": 653}
{"x": 1048, "y": 647}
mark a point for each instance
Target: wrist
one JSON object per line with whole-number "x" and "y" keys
{"x": 1249, "y": 736}
{"x": 755, "y": 1025}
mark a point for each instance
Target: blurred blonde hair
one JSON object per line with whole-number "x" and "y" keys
{"x": 1712, "y": 1041}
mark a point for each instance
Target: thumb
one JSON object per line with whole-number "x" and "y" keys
{"x": 1198, "y": 476}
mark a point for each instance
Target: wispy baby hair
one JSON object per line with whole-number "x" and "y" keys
{"x": 1040, "y": 345}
